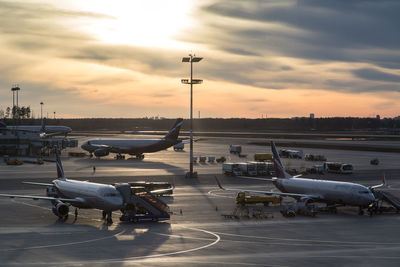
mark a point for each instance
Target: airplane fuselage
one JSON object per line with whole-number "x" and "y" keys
{"x": 129, "y": 146}
{"x": 38, "y": 129}
{"x": 94, "y": 195}
{"x": 328, "y": 191}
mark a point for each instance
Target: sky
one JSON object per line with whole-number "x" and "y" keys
{"x": 275, "y": 59}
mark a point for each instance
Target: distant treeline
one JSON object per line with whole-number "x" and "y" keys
{"x": 234, "y": 124}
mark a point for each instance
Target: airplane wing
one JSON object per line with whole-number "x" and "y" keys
{"x": 100, "y": 146}
{"x": 187, "y": 141}
{"x": 163, "y": 191}
{"x": 67, "y": 200}
{"x": 268, "y": 192}
{"x": 42, "y": 184}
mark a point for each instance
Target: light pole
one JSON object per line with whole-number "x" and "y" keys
{"x": 15, "y": 90}
{"x": 41, "y": 110}
{"x": 192, "y": 59}
{"x": 54, "y": 114}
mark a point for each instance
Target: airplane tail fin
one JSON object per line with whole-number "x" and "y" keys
{"x": 174, "y": 132}
{"x": 383, "y": 184}
{"x": 60, "y": 170}
{"x": 280, "y": 170}
{"x": 43, "y": 128}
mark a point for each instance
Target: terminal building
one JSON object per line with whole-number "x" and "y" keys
{"x": 29, "y": 144}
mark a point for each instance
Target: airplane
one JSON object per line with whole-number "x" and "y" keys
{"x": 43, "y": 130}
{"x": 307, "y": 190}
{"x": 136, "y": 147}
{"x": 63, "y": 193}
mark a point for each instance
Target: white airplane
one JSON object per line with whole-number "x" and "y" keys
{"x": 136, "y": 147}
{"x": 43, "y": 130}
{"x": 309, "y": 190}
{"x": 64, "y": 192}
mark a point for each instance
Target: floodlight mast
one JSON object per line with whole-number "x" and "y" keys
{"x": 191, "y": 59}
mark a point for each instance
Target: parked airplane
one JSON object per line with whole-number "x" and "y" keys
{"x": 309, "y": 190}
{"x": 64, "y": 192}
{"x": 43, "y": 130}
{"x": 136, "y": 147}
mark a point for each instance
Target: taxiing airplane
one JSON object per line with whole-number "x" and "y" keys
{"x": 309, "y": 190}
{"x": 134, "y": 147}
{"x": 63, "y": 193}
{"x": 43, "y": 130}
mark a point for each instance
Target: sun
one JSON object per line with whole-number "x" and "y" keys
{"x": 153, "y": 23}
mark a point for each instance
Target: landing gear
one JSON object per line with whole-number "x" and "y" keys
{"x": 91, "y": 155}
{"x": 119, "y": 156}
{"x": 361, "y": 211}
{"x": 373, "y": 209}
{"x": 140, "y": 156}
{"x": 63, "y": 218}
{"x": 107, "y": 216}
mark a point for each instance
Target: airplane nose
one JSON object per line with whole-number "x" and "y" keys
{"x": 116, "y": 203}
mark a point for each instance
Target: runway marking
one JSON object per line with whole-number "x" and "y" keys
{"x": 137, "y": 258}
{"x": 120, "y": 233}
{"x": 64, "y": 244}
{"x": 312, "y": 240}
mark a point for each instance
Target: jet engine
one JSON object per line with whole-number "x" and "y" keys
{"x": 101, "y": 152}
{"x": 306, "y": 200}
{"x": 61, "y": 209}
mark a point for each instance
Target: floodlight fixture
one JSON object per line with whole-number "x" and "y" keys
{"x": 196, "y": 59}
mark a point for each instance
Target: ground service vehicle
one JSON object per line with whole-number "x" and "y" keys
{"x": 231, "y": 169}
{"x": 221, "y": 159}
{"x": 235, "y": 149}
{"x": 312, "y": 157}
{"x": 337, "y": 167}
{"x": 179, "y": 146}
{"x": 261, "y": 168}
{"x": 292, "y": 154}
{"x": 248, "y": 168}
{"x": 243, "y": 199}
{"x": 262, "y": 156}
{"x": 374, "y": 161}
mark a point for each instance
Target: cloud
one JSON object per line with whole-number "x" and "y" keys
{"x": 376, "y": 75}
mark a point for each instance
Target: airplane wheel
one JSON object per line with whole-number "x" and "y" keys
{"x": 155, "y": 219}
{"x": 63, "y": 218}
{"x": 361, "y": 212}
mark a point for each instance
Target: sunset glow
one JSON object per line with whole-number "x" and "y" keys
{"x": 271, "y": 58}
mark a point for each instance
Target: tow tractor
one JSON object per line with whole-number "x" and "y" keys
{"x": 130, "y": 215}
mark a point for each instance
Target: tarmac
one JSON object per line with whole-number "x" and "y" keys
{"x": 30, "y": 235}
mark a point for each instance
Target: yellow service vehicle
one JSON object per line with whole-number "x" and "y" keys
{"x": 243, "y": 199}
{"x": 262, "y": 156}
{"x": 14, "y": 162}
